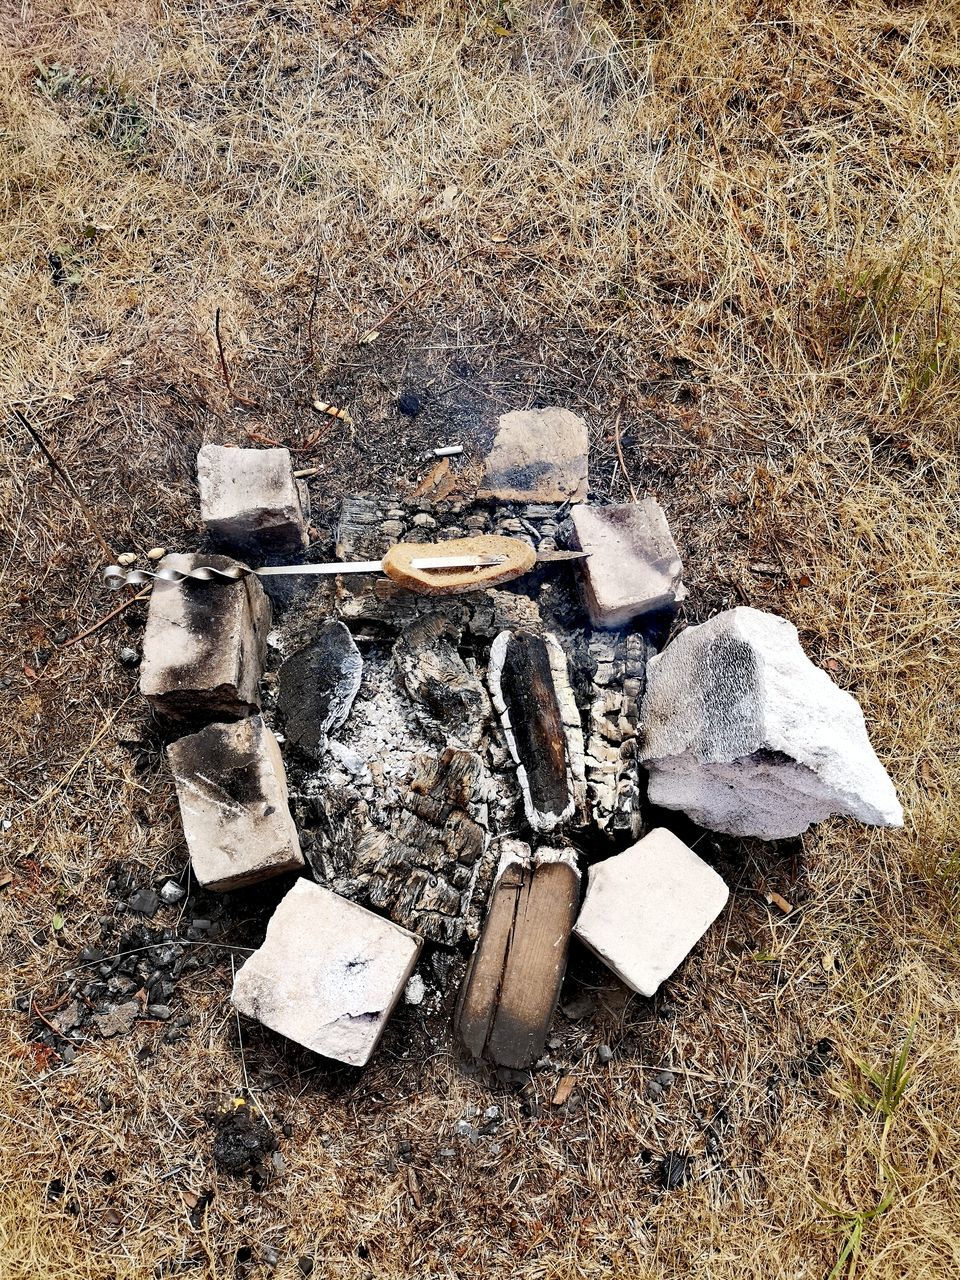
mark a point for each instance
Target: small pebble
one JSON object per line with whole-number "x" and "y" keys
{"x": 604, "y": 1053}
{"x": 129, "y": 657}
{"x": 171, "y": 892}
{"x": 269, "y": 1256}
{"x": 653, "y": 1090}
{"x": 305, "y": 1265}
{"x": 492, "y": 1113}
{"x": 156, "y": 553}
{"x": 665, "y": 1079}
{"x": 159, "y": 1011}
{"x": 126, "y": 558}
{"x": 415, "y": 990}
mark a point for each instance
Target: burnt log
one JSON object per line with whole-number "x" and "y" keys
{"x": 531, "y": 693}
{"x": 317, "y": 687}
{"x": 421, "y": 856}
{"x": 437, "y": 678}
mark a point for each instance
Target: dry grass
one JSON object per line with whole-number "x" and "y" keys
{"x": 736, "y": 226}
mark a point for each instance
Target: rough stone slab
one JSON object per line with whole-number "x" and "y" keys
{"x": 513, "y": 982}
{"x": 634, "y": 566}
{"x": 538, "y": 455}
{"x": 249, "y": 500}
{"x": 531, "y": 693}
{"x": 317, "y": 687}
{"x": 204, "y": 644}
{"x": 645, "y": 909}
{"x": 328, "y": 975}
{"x": 233, "y": 801}
{"x": 747, "y": 736}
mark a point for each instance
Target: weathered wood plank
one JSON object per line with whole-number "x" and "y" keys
{"x": 513, "y": 982}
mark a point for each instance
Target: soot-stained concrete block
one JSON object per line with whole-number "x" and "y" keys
{"x": 204, "y": 644}
{"x": 250, "y": 502}
{"x": 233, "y": 801}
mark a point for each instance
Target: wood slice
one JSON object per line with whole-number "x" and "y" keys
{"x": 512, "y": 985}
{"x": 518, "y": 558}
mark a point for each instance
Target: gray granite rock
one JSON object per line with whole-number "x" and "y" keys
{"x": 747, "y": 736}
{"x": 204, "y": 644}
{"x": 233, "y": 801}
{"x": 250, "y": 502}
{"x": 328, "y": 975}
{"x": 634, "y": 567}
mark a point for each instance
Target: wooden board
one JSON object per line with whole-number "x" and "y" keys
{"x": 512, "y": 985}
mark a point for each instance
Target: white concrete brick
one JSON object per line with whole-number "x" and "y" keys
{"x": 646, "y": 908}
{"x": 634, "y": 566}
{"x": 328, "y": 975}
{"x": 249, "y": 500}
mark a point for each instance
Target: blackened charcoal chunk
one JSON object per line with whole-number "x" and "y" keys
{"x": 317, "y": 687}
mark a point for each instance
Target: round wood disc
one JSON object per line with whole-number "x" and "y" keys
{"x": 518, "y": 558}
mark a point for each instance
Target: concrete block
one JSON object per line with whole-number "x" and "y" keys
{"x": 646, "y": 908}
{"x": 233, "y": 801}
{"x": 742, "y": 732}
{"x": 328, "y": 975}
{"x": 634, "y": 566}
{"x": 204, "y": 644}
{"x": 250, "y": 502}
{"x": 538, "y": 455}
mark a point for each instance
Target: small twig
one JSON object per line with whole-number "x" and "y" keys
{"x": 224, "y": 369}
{"x": 618, "y": 443}
{"x": 106, "y": 618}
{"x": 46, "y": 1022}
{"x": 61, "y": 474}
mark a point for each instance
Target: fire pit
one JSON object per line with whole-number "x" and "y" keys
{"x": 450, "y": 765}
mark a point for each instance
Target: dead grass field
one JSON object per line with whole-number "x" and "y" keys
{"x": 733, "y": 227}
